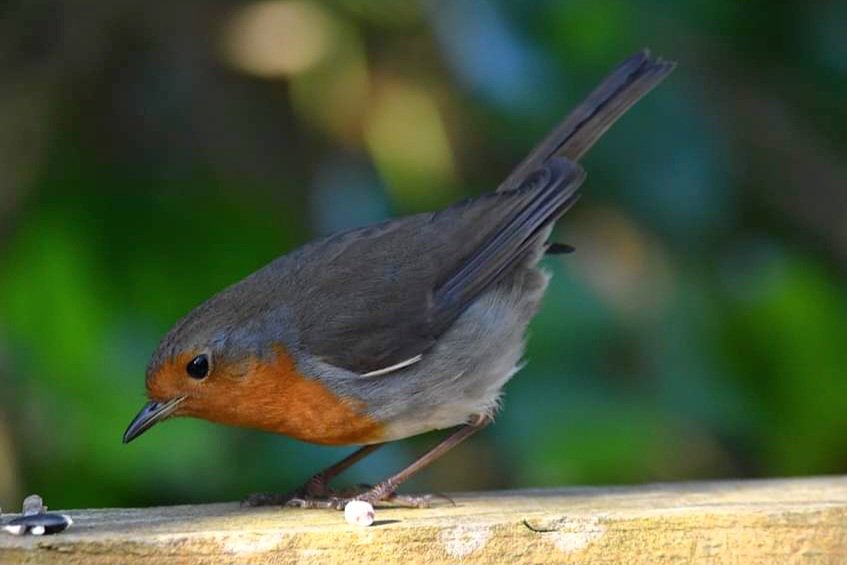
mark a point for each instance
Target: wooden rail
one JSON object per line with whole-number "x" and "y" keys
{"x": 773, "y": 522}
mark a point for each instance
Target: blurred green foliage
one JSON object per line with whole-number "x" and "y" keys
{"x": 153, "y": 153}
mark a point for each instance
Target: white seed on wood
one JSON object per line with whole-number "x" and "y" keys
{"x": 359, "y": 513}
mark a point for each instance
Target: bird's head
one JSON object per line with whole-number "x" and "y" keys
{"x": 215, "y": 364}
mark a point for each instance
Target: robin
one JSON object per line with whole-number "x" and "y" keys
{"x": 392, "y": 330}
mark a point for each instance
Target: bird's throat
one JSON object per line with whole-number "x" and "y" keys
{"x": 274, "y": 396}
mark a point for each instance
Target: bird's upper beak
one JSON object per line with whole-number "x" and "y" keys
{"x": 152, "y": 413}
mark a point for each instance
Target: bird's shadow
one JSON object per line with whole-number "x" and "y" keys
{"x": 384, "y": 522}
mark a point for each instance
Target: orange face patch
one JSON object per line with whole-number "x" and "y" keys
{"x": 267, "y": 395}
{"x": 171, "y": 380}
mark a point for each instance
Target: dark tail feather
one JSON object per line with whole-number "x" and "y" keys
{"x": 624, "y": 86}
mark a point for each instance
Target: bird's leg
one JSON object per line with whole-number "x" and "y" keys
{"x": 317, "y": 486}
{"x": 384, "y": 491}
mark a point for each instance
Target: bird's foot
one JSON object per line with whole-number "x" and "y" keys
{"x": 258, "y": 499}
{"x": 315, "y": 488}
{"x": 339, "y": 502}
{"x": 382, "y": 494}
{"x": 317, "y": 494}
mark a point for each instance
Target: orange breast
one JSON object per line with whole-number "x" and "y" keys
{"x": 275, "y": 397}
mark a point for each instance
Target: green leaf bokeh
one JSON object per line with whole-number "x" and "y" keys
{"x": 150, "y": 158}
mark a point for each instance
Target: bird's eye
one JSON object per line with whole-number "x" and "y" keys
{"x": 198, "y": 367}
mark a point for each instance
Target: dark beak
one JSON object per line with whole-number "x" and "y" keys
{"x": 150, "y": 415}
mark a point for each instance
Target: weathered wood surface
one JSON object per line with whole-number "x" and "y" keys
{"x": 797, "y": 521}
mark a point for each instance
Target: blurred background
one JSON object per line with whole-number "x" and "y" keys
{"x": 152, "y": 153}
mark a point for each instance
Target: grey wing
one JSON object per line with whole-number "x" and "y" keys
{"x": 397, "y": 286}
{"x": 379, "y": 296}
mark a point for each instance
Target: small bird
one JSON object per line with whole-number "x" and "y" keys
{"x": 392, "y": 330}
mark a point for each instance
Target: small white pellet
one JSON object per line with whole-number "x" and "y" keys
{"x": 359, "y": 513}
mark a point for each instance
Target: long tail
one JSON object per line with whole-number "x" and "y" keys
{"x": 624, "y": 86}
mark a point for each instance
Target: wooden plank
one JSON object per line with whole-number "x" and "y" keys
{"x": 794, "y": 521}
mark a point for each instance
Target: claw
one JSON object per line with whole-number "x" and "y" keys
{"x": 337, "y": 501}
{"x": 311, "y": 503}
{"x": 295, "y": 503}
{"x": 410, "y": 500}
{"x": 263, "y": 499}
{"x": 442, "y": 496}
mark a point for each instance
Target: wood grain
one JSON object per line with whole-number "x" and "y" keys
{"x": 794, "y": 521}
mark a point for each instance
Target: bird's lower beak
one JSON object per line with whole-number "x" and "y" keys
{"x": 150, "y": 415}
